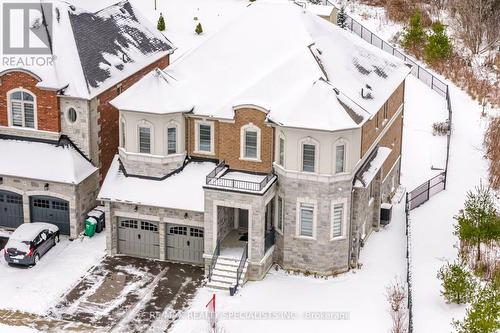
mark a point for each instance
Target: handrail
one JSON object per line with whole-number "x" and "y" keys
{"x": 243, "y": 260}
{"x": 214, "y": 260}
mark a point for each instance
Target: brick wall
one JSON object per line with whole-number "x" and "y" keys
{"x": 47, "y": 102}
{"x": 108, "y": 117}
{"x": 392, "y": 139}
{"x": 227, "y": 140}
{"x": 372, "y": 128}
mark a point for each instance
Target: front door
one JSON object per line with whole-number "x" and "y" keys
{"x": 243, "y": 219}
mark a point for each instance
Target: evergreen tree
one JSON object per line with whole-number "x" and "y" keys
{"x": 414, "y": 36}
{"x": 438, "y": 45}
{"x": 457, "y": 282}
{"x": 342, "y": 18}
{"x": 484, "y": 314}
{"x": 479, "y": 221}
{"x": 161, "y": 23}
{"x": 199, "y": 29}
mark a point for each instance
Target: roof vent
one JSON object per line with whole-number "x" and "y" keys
{"x": 367, "y": 94}
{"x": 58, "y": 15}
{"x": 123, "y": 11}
{"x": 73, "y": 8}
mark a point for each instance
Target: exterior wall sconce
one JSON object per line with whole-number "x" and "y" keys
{"x": 46, "y": 187}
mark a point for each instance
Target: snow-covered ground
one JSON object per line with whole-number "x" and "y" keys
{"x": 38, "y": 288}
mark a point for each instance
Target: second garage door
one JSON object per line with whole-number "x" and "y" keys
{"x": 51, "y": 210}
{"x": 138, "y": 238}
{"x": 184, "y": 243}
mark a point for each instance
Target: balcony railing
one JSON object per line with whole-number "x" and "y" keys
{"x": 213, "y": 179}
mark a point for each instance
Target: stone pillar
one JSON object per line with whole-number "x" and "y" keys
{"x": 111, "y": 230}
{"x": 163, "y": 246}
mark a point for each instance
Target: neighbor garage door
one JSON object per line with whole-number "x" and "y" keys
{"x": 11, "y": 209}
{"x": 184, "y": 243}
{"x": 50, "y": 210}
{"x": 138, "y": 238}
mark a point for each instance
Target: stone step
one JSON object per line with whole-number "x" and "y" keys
{"x": 227, "y": 273}
{"x": 219, "y": 285}
{"x": 228, "y": 262}
{"x": 227, "y": 280}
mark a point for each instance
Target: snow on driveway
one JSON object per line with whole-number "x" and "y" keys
{"x": 37, "y": 288}
{"x": 432, "y": 223}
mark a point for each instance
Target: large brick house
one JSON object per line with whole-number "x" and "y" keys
{"x": 277, "y": 140}
{"x": 58, "y": 132}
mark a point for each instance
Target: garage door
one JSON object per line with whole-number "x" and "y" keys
{"x": 50, "y": 210}
{"x": 138, "y": 238}
{"x": 11, "y": 209}
{"x": 184, "y": 243}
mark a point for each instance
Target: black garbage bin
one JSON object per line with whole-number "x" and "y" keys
{"x": 385, "y": 213}
{"x": 98, "y": 214}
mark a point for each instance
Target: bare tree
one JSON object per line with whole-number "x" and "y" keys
{"x": 396, "y": 296}
{"x": 477, "y": 22}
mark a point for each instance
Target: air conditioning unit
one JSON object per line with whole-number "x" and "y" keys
{"x": 385, "y": 213}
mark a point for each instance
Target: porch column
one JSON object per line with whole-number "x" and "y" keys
{"x": 257, "y": 223}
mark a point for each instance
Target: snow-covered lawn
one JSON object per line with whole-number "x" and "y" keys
{"x": 38, "y": 288}
{"x": 432, "y": 223}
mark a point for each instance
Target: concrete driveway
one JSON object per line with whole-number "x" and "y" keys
{"x": 125, "y": 294}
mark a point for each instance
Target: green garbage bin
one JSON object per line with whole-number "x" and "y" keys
{"x": 90, "y": 225}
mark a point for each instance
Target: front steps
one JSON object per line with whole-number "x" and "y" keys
{"x": 224, "y": 273}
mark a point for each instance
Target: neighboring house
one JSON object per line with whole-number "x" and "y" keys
{"x": 281, "y": 132}
{"x": 57, "y": 128}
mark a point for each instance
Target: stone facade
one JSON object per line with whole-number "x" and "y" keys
{"x": 79, "y": 130}
{"x": 151, "y": 166}
{"x": 323, "y": 254}
{"x": 81, "y": 197}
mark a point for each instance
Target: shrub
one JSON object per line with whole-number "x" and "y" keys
{"x": 438, "y": 45}
{"x": 161, "y": 23}
{"x": 484, "y": 314}
{"x": 399, "y": 10}
{"x": 199, "y": 29}
{"x": 414, "y": 36}
{"x": 457, "y": 282}
{"x": 342, "y": 18}
{"x": 396, "y": 296}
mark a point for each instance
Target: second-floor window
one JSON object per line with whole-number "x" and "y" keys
{"x": 308, "y": 157}
{"x": 340, "y": 158}
{"x": 204, "y": 138}
{"x": 281, "y": 160}
{"x": 145, "y": 140}
{"x": 172, "y": 140}
{"x": 22, "y": 109}
{"x": 122, "y": 125}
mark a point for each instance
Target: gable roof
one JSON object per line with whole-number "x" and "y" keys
{"x": 94, "y": 51}
{"x": 277, "y": 56}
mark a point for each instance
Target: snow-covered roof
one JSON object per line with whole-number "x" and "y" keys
{"x": 282, "y": 58}
{"x": 159, "y": 193}
{"x": 94, "y": 51}
{"x": 368, "y": 173}
{"x": 43, "y": 161}
{"x": 321, "y": 10}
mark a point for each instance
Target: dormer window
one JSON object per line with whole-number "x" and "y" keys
{"x": 22, "y": 109}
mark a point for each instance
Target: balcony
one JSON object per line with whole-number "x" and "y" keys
{"x": 224, "y": 178}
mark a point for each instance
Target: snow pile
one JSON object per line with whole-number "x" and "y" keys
{"x": 43, "y": 161}
{"x": 159, "y": 193}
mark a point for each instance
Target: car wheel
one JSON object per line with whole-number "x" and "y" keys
{"x": 37, "y": 258}
{"x": 57, "y": 239}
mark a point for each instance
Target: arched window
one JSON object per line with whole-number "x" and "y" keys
{"x": 22, "y": 105}
{"x": 309, "y": 151}
{"x": 145, "y": 137}
{"x": 250, "y": 142}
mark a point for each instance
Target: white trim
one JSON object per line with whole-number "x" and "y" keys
{"x": 345, "y": 217}
{"x": 197, "y": 124}
{"x": 146, "y": 124}
{"x": 243, "y": 130}
{"x": 171, "y": 124}
{"x": 9, "y": 108}
{"x": 309, "y": 141}
{"x": 315, "y": 217}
